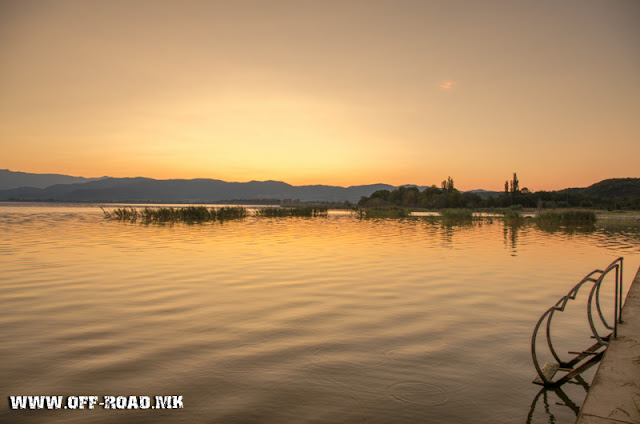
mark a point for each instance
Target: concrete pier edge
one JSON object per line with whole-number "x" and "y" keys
{"x": 614, "y": 396}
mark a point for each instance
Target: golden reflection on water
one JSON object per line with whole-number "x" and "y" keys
{"x": 310, "y": 320}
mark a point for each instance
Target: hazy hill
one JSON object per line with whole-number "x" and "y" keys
{"x": 485, "y": 194}
{"x": 196, "y": 190}
{"x": 614, "y": 187}
{"x": 12, "y": 179}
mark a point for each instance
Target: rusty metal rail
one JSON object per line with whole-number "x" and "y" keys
{"x": 583, "y": 359}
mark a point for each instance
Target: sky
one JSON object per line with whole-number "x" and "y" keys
{"x": 342, "y": 92}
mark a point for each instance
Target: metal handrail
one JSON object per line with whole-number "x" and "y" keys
{"x": 596, "y": 290}
{"x": 559, "y": 306}
{"x": 595, "y": 277}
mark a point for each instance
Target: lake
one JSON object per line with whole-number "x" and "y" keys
{"x": 307, "y": 320}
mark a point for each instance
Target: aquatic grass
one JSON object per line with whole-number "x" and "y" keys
{"x": 391, "y": 212}
{"x": 512, "y": 215}
{"x": 299, "y": 211}
{"x": 566, "y": 217}
{"x": 188, "y": 214}
{"x": 122, "y": 214}
{"x": 230, "y": 212}
{"x": 567, "y": 221}
{"x": 457, "y": 214}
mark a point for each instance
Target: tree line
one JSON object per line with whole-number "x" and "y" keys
{"x": 447, "y": 196}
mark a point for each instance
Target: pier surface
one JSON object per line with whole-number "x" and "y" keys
{"x": 614, "y": 396}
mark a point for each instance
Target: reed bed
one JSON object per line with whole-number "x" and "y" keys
{"x": 185, "y": 214}
{"x": 231, "y": 212}
{"x": 457, "y": 214}
{"x": 566, "y": 217}
{"x": 512, "y": 215}
{"x": 299, "y": 211}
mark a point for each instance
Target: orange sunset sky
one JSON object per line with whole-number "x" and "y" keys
{"x": 323, "y": 92}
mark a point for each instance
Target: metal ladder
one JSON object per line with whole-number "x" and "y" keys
{"x": 588, "y": 357}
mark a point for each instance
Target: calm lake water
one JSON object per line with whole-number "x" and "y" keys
{"x": 322, "y": 320}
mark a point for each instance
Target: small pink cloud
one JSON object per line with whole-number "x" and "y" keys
{"x": 447, "y": 84}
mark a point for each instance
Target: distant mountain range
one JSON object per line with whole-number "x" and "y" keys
{"x": 21, "y": 186}
{"x": 10, "y": 179}
{"x": 108, "y": 189}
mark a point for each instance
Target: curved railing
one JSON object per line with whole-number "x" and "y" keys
{"x": 594, "y": 352}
